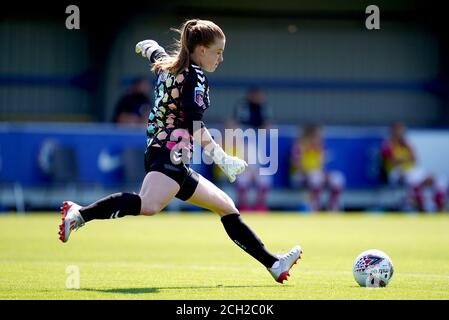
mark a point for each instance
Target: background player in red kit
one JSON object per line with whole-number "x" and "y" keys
{"x": 400, "y": 167}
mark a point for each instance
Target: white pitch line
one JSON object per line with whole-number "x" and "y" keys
{"x": 413, "y": 275}
{"x": 251, "y": 269}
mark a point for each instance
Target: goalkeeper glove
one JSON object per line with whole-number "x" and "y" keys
{"x": 231, "y": 166}
{"x": 147, "y": 47}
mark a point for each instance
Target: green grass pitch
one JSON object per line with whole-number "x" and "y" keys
{"x": 189, "y": 256}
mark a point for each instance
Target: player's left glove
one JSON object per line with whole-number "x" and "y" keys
{"x": 147, "y": 47}
{"x": 231, "y": 166}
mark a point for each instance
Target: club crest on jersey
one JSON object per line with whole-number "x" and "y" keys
{"x": 199, "y": 97}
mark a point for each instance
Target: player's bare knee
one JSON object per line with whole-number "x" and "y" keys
{"x": 149, "y": 212}
{"x": 226, "y": 207}
{"x": 150, "y": 209}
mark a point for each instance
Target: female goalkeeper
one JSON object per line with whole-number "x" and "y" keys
{"x": 181, "y": 97}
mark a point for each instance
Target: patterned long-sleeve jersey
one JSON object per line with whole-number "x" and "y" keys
{"x": 180, "y": 100}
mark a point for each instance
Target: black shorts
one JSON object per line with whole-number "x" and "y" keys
{"x": 158, "y": 159}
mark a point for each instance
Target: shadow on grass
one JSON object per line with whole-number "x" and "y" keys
{"x": 124, "y": 290}
{"x": 156, "y": 290}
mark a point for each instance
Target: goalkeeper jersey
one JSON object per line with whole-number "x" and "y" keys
{"x": 180, "y": 100}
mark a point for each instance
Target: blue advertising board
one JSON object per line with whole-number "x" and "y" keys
{"x": 25, "y": 149}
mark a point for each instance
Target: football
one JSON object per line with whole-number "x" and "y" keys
{"x": 373, "y": 268}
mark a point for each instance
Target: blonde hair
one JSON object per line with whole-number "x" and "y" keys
{"x": 193, "y": 33}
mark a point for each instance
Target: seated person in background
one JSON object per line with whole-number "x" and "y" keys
{"x": 399, "y": 165}
{"x": 133, "y": 108}
{"x": 307, "y": 169}
{"x": 252, "y": 111}
{"x": 250, "y": 178}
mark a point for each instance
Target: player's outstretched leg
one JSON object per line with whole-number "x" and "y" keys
{"x": 209, "y": 196}
{"x": 156, "y": 192}
{"x": 116, "y": 205}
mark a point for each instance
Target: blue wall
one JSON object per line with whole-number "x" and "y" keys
{"x": 98, "y": 145}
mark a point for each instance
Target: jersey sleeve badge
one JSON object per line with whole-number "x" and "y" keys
{"x": 199, "y": 97}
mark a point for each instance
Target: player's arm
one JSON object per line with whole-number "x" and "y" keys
{"x": 194, "y": 102}
{"x": 387, "y": 153}
{"x": 412, "y": 153}
{"x": 230, "y": 165}
{"x": 295, "y": 157}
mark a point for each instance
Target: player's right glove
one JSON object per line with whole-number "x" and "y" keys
{"x": 231, "y": 166}
{"x": 147, "y": 48}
